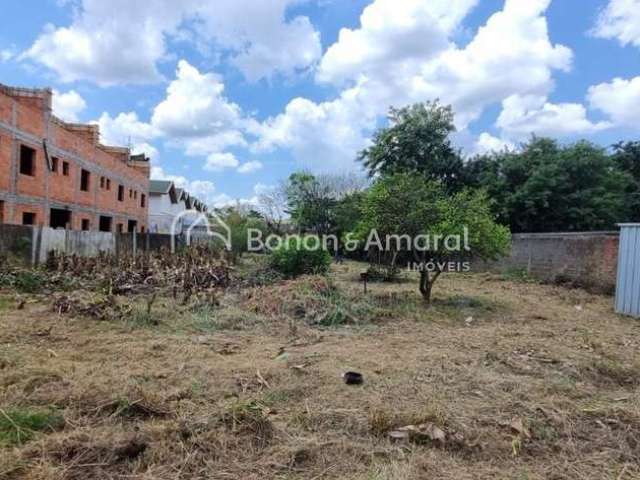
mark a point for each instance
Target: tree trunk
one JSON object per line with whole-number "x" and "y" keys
{"x": 426, "y": 284}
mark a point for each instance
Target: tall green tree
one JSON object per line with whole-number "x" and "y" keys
{"x": 417, "y": 141}
{"x": 546, "y": 187}
{"x": 626, "y": 155}
{"x": 310, "y": 203}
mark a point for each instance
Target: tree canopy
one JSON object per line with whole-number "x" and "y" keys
{"x": 405, "y": 205}
{"x": 547, "y": 187}
{"x": 417, "y": 141}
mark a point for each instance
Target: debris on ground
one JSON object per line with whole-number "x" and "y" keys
{"x": 353, "y": 378}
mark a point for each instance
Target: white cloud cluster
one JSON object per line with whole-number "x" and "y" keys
{"x": 218, "y": 161}
{"x": 405, "y": 53}
{"x": 392, "y": 34}
{"x": 620, "y": 20}
{"x": 194, "y": 115}
{"x": 488, "y": 143}
{"x": 619, "y": 100}
{"x": 68, "y": 106}
{"x": 524, "y": 115}
{"x": 6, "y": 54}
{"x": 264, "y": 42}
{"x": 250, "y": 167}
{"x": 122, "y": 41}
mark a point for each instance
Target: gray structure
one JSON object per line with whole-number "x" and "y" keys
{"x": 628, "y": 284}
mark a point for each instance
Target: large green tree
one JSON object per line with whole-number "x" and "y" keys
{"x": 417, "y": 141}
{"x": 547, "y": 187}
{"x": 627, "y": 157}
{"x": 402, "y": 207}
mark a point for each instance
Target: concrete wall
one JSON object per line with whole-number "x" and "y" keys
{"x": 583, "y": 259}
{"x": 32, "y": 245}
{"x": 84, "y": 244}
{"x": 16, "y": 241}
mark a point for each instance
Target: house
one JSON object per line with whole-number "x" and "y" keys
{"x": 163, "y": 205}
{"x": 167, "y": 202}
{"x": 58, "y": 174}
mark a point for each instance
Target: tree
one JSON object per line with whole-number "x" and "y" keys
{"x": 417, "y": 141}
{"x": 547, "y": 187}
{"x": 322, "y": 204}
{"x": 402, "y": 207}
{"x": 240, "y": 219}
{"x": 272, "y": 205}
{"x": 310, "y": 203}
{"x": 627, "y": 157}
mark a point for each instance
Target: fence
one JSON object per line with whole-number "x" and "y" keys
{"x": 628, "y": 288}
{"x": 33, "y": 244}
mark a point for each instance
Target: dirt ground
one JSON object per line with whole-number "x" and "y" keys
{"x": 501, "y": 379}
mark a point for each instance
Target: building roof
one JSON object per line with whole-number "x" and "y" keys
{"x": 140, "y": 157}
{"x": 163, "y": 187}
{"x": 160, "y": 187}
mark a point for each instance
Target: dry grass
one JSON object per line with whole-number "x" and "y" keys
{"x": 527, "y": 381}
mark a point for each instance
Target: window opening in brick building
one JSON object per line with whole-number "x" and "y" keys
{"x": 85, "y": 179}
{"x": 27, "y": 161}
{"x": 105, "y": 224}
{"x": 28, "y": 218}
{"x": 59, "y": 218}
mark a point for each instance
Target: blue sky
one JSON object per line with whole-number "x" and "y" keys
{"x": 229, "y": 96}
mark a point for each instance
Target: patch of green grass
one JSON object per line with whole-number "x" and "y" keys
{"x": 275, "y": 397}
{"x": 141, "y": 318}
{"x": 516, "y": 274}
{"x": 30, "y": 281}
{"x": 18, "y": 426}
{"x": 459, "y": 306}
{"x": 5, "y": 303}
{"x": 206, "y": 319}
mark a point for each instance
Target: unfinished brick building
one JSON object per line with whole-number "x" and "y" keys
{"x": 57, "y": 174}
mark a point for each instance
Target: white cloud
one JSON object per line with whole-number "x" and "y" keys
{"x": 619, "y": 99}
{"x": 68, "y": 106}
{"x": 194, "y": 116}
{"x": 219, "y": 161}
{"x": 264, "y": 42}
{"x": 390, "y": 34}
{"x": 510, "y": 55}
{"x": 488, "y": 143}
{"x": 122, "y": 41}
{"x": 620, "y": 20}
{"x": 195, "y": 105}
{"x": 126, "y": 129}
{"x": 113, "y": 42}
{"x": 6, "y": 54}
{"x": 523, "y": 115}
{"x": 250, "y": 167}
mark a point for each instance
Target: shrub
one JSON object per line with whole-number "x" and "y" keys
{"x": 293, "y": 258}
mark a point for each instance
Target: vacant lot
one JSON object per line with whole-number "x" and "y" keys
{"x": 499, "y": 379}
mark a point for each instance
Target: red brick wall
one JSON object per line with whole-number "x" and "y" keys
{"x": 24, "y": 115}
